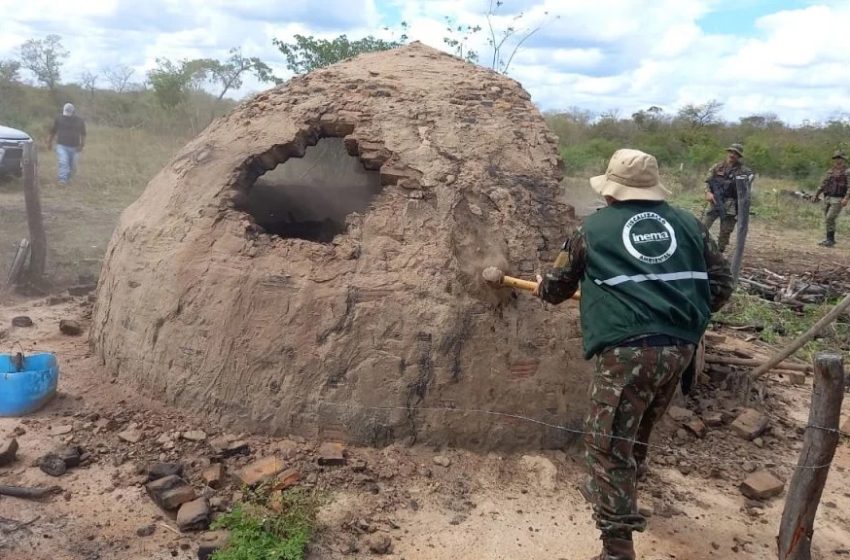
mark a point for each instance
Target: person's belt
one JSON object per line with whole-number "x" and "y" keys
{"x": 651, "y": 340}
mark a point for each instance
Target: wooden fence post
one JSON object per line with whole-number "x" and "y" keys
{"x": 819, "y": 443}
{"x": 38, "y": 239}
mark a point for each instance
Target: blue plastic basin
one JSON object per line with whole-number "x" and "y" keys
{"x": 22, "y": 392}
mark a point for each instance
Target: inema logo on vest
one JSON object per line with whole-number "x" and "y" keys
{"x": 650, "y": 237}
{"x": 657, "y": 244}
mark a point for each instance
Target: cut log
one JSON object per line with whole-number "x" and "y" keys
{"x": 28, "y": 493}
{"x": 743, "y": 362}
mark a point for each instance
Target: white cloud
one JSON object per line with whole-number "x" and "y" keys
{"x": 605, "y": 54}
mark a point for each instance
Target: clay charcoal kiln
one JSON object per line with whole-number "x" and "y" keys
{"x": 310, "y": 264}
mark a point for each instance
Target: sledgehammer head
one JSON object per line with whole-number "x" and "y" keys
{"x": 493, "y": 275}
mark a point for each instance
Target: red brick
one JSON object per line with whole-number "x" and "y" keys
{"x": 260, "y": 470}
{"x": 750, "y": 424}
{"x": 332, "y": 454}
{"x": 761, "y": 485}
{"x": 213, "y": 475}
{"x": 287, "y": 479}
{"x": 170, "y": 492}
{"x": 680, "y": 414}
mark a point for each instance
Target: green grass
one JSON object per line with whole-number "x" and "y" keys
{"x": 258, "y": 532}
{"x": 781, "y": 324}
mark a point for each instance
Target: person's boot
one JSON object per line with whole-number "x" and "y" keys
{"x": 616, "y": 549}
{"x": 829, "y": 241}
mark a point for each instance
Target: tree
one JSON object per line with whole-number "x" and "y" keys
{"x": 9, "y": 87}
{"x": 649, "y": 119}
{"x": 119, "y": 77}
{"x": 506, "y": 43}
{"x": 763, "y": 120}
{"x": 306, "y": 54}
{"x": 172, "y": 82}
{"x": 9, "y": 70}
{"x": 699, "y": 116}
{"x": 458, "y": 39}
{"x": 228, "y": 74}
{"x": 88, "y": 80}
{"x": 44, "y": 58}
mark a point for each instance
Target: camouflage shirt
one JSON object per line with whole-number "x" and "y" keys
{"x": 835, "y": 183}
{"x": 728, "y": 172}
{"x": 559, "y": 284}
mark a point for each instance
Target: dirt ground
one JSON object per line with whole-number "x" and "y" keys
{"x": 478, "y": 507}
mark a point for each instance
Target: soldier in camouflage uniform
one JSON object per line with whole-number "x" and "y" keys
{"x": 726, "y": 171}
{"x": 650, "y": 276}
{"x": 834, "y": 189}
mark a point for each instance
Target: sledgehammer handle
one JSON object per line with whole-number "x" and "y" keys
{"x": 519, "y": 284}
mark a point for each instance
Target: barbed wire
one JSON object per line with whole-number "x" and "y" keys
{"x": 550, "y": 425}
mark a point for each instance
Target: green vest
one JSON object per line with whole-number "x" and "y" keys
{"x": 645, "y": 274}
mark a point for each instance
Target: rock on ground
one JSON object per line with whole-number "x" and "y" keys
{"x": 442, "y": 461}
{"x": 194, "y": 435}
{"x": 332, "y": 454}
{"x": 22, "y": 321}
{"x": 750, "y": 424}
{"x": 762, "y": 485}
{"x": 696, "y": 427}
{"x": 146, "y": 530}
{"x": 52, "y": 464}
{"x": 161, "y": 470}
{"x": 379, "y": 543}
{"x": 260, "y": 470}
{"x": 287, "y": 479}
{"x": 210, "y": 542}
{"x": 679, "y": 414}
{"x": 131, "y": 436}
{"x": 194, "y": 515}
{"x": 8, "y": 452}
{"x": 170, "y": 492}
{"x": 541, "y": 470}
{"x": 213, "y": 475}
{"x": 71, "y": 456}
{"x": 61, "y": 430}
{"x": 70, "y": 328}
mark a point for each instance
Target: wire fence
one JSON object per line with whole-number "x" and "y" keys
{"x": 567, "y": 429}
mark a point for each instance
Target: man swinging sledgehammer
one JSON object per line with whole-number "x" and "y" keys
{"x": 650, "y": 276}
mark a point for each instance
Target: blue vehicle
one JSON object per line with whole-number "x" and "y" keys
{"x": 12, "y": 143}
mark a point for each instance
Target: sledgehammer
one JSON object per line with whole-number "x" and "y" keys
{"x": 496, "y": 277}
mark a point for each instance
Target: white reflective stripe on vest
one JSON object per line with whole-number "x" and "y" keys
{"x": 668, "y": 277}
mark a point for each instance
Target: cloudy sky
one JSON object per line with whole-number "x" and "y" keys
{"x": 790, "y": 57}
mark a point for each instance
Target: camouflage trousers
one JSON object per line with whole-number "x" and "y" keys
{"x": 632, "y": 389}
{"x": 727, "y": 222}
{"x": 831, "y": 209}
